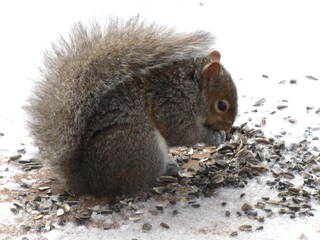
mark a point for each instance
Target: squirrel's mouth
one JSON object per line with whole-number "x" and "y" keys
{"x": 223, "y": 126}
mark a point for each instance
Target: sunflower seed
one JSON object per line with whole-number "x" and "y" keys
{"x": 246, "y": 228}
{"x": 259, "y": 228}
{"x": 160, "y": 207}
{"x": 246, "y": 207}
{"x": 15, "y": 157}
{"x": 281, "y": 107}
{"x": 60, "y": 212}
{"x": 135, "y": 219}
{"x": 293, "y": 81}
{"x": 227, "y": 213}
{"x": 38, "y": 217}
{"x": 146, "y": 227}
{"x": 43, "y": 188}
{"x": 260, "y": 205}
{"x": 168, "y": 179}
{"x": 311, "y": 77}
{"x": 260, "y": 102}
{"x": 218, "y": 179}
{"x": 294, "y": 207}
{"x": 164, "y": 225}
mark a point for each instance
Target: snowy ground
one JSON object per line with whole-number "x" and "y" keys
{"x": 278, "y": 39}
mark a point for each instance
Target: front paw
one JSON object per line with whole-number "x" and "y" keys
{"x": 172, "y": 169}
{"x": 216, "y": 138}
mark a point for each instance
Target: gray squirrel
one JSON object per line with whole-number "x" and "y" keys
{"x": 112, "y": 99}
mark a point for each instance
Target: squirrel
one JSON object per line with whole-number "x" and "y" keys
{"x": 111, "y": 101}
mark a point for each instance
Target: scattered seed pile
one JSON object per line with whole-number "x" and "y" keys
{"x": 246, "y": 155}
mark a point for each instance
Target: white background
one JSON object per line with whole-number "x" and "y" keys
{"x": 280, "y": 39}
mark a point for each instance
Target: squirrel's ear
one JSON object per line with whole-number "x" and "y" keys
{"x": 211, "y": 70}
{"x": 215, "y": 56}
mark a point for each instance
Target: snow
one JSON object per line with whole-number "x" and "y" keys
{"x": 207, "y": 222}
{"x": 279, "y": 39}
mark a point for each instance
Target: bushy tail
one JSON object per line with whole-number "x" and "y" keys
{"x": 77, "y": 67}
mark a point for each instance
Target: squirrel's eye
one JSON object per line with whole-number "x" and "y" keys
{"x": 222, "y": 106}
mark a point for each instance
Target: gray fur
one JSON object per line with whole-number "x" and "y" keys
{"x": 90, "y": 112}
